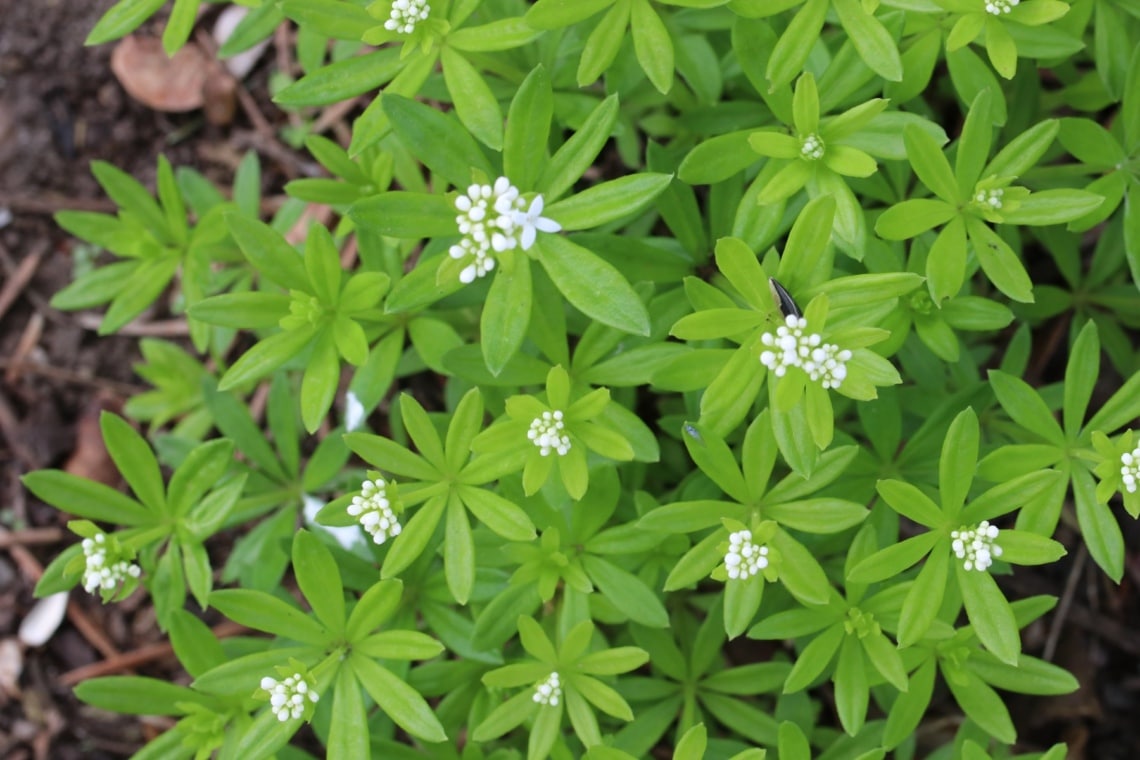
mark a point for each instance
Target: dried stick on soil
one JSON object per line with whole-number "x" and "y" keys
{"x": 49, "y": 204}
{"x": 71, "y": 377}
{"x": 25, "y": 270}
{"x": 1065, "y": 604}
{"x": 137, "y": 657}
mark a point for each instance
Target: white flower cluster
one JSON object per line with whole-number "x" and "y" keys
{"x": 998, "y": 7}
{"x": 548, "y": 692}
{"x": 791, "y": 346}
{"x": 374, "y": 511}
{"x": 495, "y": 218}
{"x": 406, "y": 14}
{"x": 287, "y": 697}
{"x": 811, "y": 147}
{"x": 99, "y": 574}
{"x": 989, "y": 198}
{"x": 546, "y": 432}
{"x": 744, "y": 558}
{"x": 976, "y": 545}
{"x": 1130, "y": 469}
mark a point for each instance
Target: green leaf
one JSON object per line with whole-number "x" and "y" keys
{"x": 329, "y": 18}
{"x": 458, "y": 551}
{"x": 263, "y": 612}
{"x": 375, "y": 608}
{"x": 871, "y": 39}
{"x": 792, "y": 50}
{"x": 609, "y": 201}
{"x": 1053, "y": 207}
{"x": 1026, "y": 407}
{"x": 974, "y": 143}
{"x": 999, "y": 261}
{"x": 851, "y": 689}
{"x": 913, "y": 217}
{"x": 271, "y": 256}
{"x": 628, "y": 593}
{"x": 528, "y": 128}
{"x": 909, "y": 501}
{"x": 603, "y": 43}
{"x": 652, "y": 45}
{"x": 135, "y": 461}
{"x": 398, "y": 700}
{"x": 502, "y": 34}
{"x": 592, "y": 285}
{"x": 989, "y": 613}
{"x": 137, "y": 695}
{"x": 348, "y": 728}
{"x": 925, "y": 597}
{"x": 930, "y": 165}
{"x": 319, "y": 384}
{"x": 437, "y": 140}
{"x": 319, "y": 579}
{"x": 474, "y": 102}
{"x": 342, "y": 80}
{"x": 122, "y": 19}
{"x": 1099, "y": 527}
{"x": 717, "y": 158}
{"x": 1023, "y": 151}
{"x": 553, "y": 14}
{"x": 577, "y": 154}
{"x": 983, "y": 705}
{"x": 1081, "y": 373}
{"x": 958, "y": 462}
{"x": 503, "y": 517}
{"x": 506, "y": 316}
{"x": 406, "y": 215}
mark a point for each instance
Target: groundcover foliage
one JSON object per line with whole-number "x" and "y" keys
{"x": 642, "y": 326}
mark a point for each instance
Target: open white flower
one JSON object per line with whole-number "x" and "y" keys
{"x": 492, "y": 219}
{"x": 287, "y": 698}
{"x": 976, "y": 546}
{"x": 531, "y": 222}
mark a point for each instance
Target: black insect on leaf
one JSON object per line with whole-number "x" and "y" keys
{"x": 783, "y": 299}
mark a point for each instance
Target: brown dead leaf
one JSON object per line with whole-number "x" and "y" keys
{"x": 90, "y": 458}
{"x": 164, "y": 84}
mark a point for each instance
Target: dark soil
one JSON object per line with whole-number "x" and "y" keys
{"x": 61, "y": 108}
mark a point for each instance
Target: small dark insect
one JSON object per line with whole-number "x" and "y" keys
{"x": 783, "y": 299}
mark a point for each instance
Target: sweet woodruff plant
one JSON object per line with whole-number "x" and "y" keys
{"x": 638, "y": 326}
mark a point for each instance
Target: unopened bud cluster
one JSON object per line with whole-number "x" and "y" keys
{"x": 998, "y": 7}
{"x": 373, "y": 510}
{"x": 548, "y": 692}
{"x": 104, "y": 572}
{"x": 989, "y": 199}
{"x": 744, "y": 558}
{"x": 406, "y": 14}
{"x": 548, "y": 434}
{"x": 793, "y": 346}
{"x": 976, "y": 546}
{"x": 1130, "y": 469}
{"x": 287, "y": 697}
{"x": 811, "y": 147}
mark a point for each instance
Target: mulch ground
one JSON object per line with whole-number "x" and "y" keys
{"x": 61, "y": 108}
